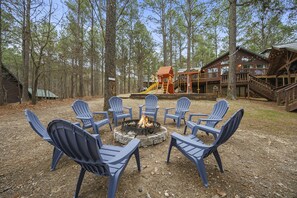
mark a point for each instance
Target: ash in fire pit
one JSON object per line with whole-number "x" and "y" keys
{"x": 147, "y": 131}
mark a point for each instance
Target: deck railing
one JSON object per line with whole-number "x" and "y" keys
{"x": 291, "y": 97}
{"x": 281, "y": 94}
{"x": 240, "y": 78}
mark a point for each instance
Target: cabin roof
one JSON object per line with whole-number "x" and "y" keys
{"x": 41, "y": 93}
{"x": 289, "y": 46}
{"x": 278, "y": 57}
{"x": 237, "y": 48}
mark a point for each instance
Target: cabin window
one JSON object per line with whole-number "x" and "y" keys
{"x": 247, "y": 66}
{"x": 212, "y": 70}
{"x": 260, "y": 66}
{"x": 245, "y": 59}
{"x": 224, "y": 70}
{"x": 225, "y": 62}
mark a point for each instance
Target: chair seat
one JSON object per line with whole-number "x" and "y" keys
{"x": 172, "y": 116}
{"x": 191, "y": 150}
{"x": 125, "y": 115}
{"x": 151, "y": 113}
{"x": 97, "y": 123}
{"x": 107, "y": 153}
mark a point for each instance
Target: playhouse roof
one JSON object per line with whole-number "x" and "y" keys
{"x": 166, "y": 70}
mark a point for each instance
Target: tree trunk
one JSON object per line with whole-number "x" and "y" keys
{"x": 102, "y": 70}
{"x": 110, "y": 52}
{"x": 80, "y": 50}
{"x": 189, "y": 38}
{"x": 92, "y": 53}
{"x": 26, "y": 48}
{"x": 231, "y": 90}
{"x": 1, "y": 76}
{"x": 163, "y": 26}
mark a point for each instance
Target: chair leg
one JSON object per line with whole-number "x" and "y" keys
{"x": 202, "y": 172}
{"x": 178, "y": 122}
{"x": 136, "y": 153}
{"x": 110, "y": 127}
{"x": 172, "y": 142}
{"x": 164, "y": 118}
{"x": 116, "y": 122}
{"x": 79, "y": 181}
{"x": 185, "y": 130}
{"x": 218, "y": 158}
{"x": 113, "y": 184}
{"x": 57, "y": 154}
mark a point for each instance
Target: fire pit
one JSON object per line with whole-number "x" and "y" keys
{"x": 147, "y": 131}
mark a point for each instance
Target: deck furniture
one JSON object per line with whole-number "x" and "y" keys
{"x": 218, "y": 112}
{"x": 151, "y": 107}
{"x": 117, "y": 109}
{"x": 88, "y": 151}
{"x": 182, "y": 107}
{"x": 195, "y": 150}
{"x": 83, "y": 112}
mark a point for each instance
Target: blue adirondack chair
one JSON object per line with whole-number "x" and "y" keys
{"x": 195, "y": 150}
{"x": 218, "y": 112}
{"x": 182, "y": 107}
{"x": 151, "y": 107}
{"x": 88, "y": 151}
{"x": 41, "y": 131}
{"x": 82, "y": 111}
{"x": 117, "y": 109}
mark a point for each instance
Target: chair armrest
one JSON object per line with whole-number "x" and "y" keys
{"x": 126, "y": 152}
{"x": 140, "y": 106}
{"x": 187, "y": 140}
{"x": 206, "y": 119}
{"x": 102, "y": 112}
{"x": 167, "y": 109}
{"x": 127, "y": 108}
{"x": 83, "y": 118}
{"x": 97, "y": 137}
{"x": 76, "y": 124}
{"x": 110, "y": 110}
{"x": 207, "y": 129}
{"x": 196, "y": 114}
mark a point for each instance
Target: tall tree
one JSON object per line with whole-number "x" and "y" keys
{"x": 1, "y": 77}
{"x": 40, "y": 38}
{"x": 192, "y": 13}
{"x": 110, "y": 52}
{"x": 26, "y": 47}
{"x": 160, "y": 9}
{"x": 231, "y": 89}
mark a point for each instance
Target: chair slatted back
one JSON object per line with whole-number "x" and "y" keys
{"x": 151, "y": 103}
{"x": 36, "y": 124}
{"x": 81, "y": 108}
{"x": 218, "y": 112}
{"x": 79, "y": 145}
{"x": 227, "y": 130}
{"x": 116, "y": 104}
{"x": 182, "y": 104}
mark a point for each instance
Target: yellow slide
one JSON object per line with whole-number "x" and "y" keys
{"x": 152, "y": 87}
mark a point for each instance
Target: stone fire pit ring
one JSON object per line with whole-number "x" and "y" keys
{"x": 145, "y": 140}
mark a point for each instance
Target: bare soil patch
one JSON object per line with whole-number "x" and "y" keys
{"x": 260, "y": 160}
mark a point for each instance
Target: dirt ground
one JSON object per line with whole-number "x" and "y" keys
{"x": 260, "y": 160}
